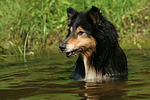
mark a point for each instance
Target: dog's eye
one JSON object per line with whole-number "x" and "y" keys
{"x": 80, "y": 33}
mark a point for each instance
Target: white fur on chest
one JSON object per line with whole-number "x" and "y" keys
{"x": 90, "y": 72}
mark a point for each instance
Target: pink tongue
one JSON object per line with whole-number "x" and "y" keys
{"x": 78, "y": 50}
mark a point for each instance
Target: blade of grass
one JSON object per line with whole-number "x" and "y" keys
{"x": 25, "y": 48}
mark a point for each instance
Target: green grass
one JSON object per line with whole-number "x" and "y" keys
{"x": 31, "y": 25}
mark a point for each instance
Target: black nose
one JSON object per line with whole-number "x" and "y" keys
{"x": 62, "y": 47}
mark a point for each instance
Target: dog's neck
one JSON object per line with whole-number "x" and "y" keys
{"x": 90, "y": 72}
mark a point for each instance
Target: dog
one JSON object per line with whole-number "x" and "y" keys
{"x": 95, "y": 40}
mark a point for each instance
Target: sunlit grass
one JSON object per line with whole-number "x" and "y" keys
{"x": 45, "y": 21}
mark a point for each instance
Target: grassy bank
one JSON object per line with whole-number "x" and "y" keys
{"x": 32, "y": 25}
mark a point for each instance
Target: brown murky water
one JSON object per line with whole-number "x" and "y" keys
{"x": 46, "y": 77}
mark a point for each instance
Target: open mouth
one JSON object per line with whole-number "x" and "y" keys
{"x": 74, "y": 52}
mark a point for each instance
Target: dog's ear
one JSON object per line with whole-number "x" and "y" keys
{"x": 94, "y": 13}
{"x": 71, "y": 13}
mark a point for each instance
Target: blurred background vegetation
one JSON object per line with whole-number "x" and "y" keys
{"x": 33, "y": 25}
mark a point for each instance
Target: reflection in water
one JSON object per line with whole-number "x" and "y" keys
{"x": 46, "y": 77}
{"x": 103, "y": 90}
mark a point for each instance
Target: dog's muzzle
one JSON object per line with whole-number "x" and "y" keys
{"x": 62, "y": 47}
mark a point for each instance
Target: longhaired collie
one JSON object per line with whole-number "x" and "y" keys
{"x": 95, "y": 40}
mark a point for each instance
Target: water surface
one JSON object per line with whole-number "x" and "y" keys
{"x": 45, "y": 76}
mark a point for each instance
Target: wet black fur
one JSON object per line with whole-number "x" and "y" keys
{"x": 108, "y": 58}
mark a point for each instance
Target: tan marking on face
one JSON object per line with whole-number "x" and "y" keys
{"x": 71, "y": 29}
{"x": 77, "y": 41}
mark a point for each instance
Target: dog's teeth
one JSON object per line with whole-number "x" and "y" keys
{"x": 73, "y": 53}
{"x": 70, "y": 54}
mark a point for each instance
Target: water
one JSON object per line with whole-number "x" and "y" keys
{"x": 45, "y": 76}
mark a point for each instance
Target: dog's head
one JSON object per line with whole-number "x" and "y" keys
{"x": 81, "y": 27}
